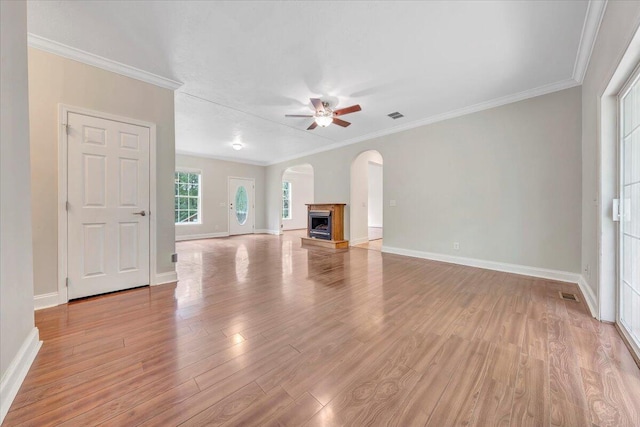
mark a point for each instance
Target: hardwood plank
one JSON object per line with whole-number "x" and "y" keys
{"x": 370, "y": 399}
{"x": 457, "y": 403}
{"x": 260, "y": 330}
{"x": 531, "y": 396}
{"x": 494, "y": 405}
{"x": 260, "y": 411}
{"x": 131, "y": 414}
{"x": 420, "y": 402}
{"x": 297, "y": 413}
{"x": 227, "y": 408}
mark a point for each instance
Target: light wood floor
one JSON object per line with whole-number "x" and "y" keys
{"x": 261, "y": 332}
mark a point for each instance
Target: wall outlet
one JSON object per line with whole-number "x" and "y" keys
{"x": 456, "y": 246}
{"x": 174, "y": 257}
{"x": 216, "y": 227}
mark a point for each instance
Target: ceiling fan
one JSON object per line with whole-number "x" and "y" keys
{"x": 325, "y": 115}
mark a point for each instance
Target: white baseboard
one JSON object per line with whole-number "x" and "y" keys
{"x": 358, "y": 241}
{"x": 17, "y": 371}
{"x": 201, "y": 236}
{"x": 266, "y": 231}
{"x": 561, "y": 276}
{"x": 164, "y": 278}
{"x": 589, "y": 297}
{"x": 46, "y": 300}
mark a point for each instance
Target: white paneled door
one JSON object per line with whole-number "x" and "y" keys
{"x": 241, "y": 206}
{"x": 629, "y": 241}
{"x": 108, "y": 205}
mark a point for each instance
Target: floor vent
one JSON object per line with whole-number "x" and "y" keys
{"x": 568, "y": 297}
{"x": 395, "y": 115}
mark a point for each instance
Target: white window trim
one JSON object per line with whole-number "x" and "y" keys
{"x": 191, "y": 171}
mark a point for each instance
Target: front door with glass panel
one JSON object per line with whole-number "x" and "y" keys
{"x": 629, "y": 240}
{"x": 241, "y": 206}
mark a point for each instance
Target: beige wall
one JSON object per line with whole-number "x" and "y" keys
{"x": 54, "y": 80}
{"x": 214, "y": 199}
{"x": 16, "y": 268}
{"x": 619, "y": 24}
{"x": 504, "y": 183}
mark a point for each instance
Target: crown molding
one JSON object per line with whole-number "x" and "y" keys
{"x": 60, "y": 49}
{"x": 497, "y": 102}
{"x": 225, "y": 159}
{"x": 592, "y": 21}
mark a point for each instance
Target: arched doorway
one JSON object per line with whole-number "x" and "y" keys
{"x": 297, "y": 192}
{"x": 366, "y": 207}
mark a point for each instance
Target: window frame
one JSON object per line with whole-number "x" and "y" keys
{"x": 188, "y": 171}
{"x": 289, "y": 199}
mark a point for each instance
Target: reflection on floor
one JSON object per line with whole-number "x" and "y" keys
{"x": 259, "y": 331}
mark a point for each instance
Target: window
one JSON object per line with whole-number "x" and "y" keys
{"x": 187, "y": 203}
{"x": 286, "y": 200}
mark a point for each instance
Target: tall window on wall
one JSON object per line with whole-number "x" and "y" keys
{"x": 286, "y": 200}
{"x": 187, "y": 193}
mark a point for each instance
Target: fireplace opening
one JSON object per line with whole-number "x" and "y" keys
{"x": 320, "y": 224}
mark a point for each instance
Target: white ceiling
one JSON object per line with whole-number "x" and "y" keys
{"x": 245, "y": 65}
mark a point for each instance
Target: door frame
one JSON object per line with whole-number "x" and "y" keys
{"x": 633, "y": 78}
{"x": 63, "y": 112}
{"x": 253, "y": 210}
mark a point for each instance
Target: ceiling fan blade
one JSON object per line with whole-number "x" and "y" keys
{"x": 347, "y": 110}
{"x": 312, "y": 126}
{"x": 317, "y": 104}
{"x": 340, "y": 122}
{"x": 298, "y": 115}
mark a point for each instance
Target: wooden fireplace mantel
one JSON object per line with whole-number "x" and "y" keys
{"x": 337, "y": 226}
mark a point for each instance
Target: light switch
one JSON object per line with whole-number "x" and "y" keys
{"x": 223, "y": 205}
{"x": 392, "y": 203}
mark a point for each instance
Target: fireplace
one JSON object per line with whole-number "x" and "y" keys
{"x": 320, "y": 224}
{"x": 325, "y": 226}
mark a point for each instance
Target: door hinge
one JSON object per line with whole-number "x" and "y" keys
{"x": 615, "y": 210}
{"x": 66, "y": 282}
{"x": 67, "y": 128}
{"x": 66, "y": 206}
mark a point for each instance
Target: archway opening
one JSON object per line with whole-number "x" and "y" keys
{"x": 366, "y": 210}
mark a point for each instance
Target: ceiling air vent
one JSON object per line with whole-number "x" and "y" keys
{"x": 395, "y": 115}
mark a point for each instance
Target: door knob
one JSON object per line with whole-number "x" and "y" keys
{"x": 141, "y": 213}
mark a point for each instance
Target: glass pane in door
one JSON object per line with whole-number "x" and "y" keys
{"x": 242, "y": 205}
{"x": 629, "y": 307}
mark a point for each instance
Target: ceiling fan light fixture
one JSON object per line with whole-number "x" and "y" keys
{"x": 324, "y": 121}
{"x": 237, "y": 146}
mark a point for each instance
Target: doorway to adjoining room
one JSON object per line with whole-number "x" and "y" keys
{"x": 366, "y": 210}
